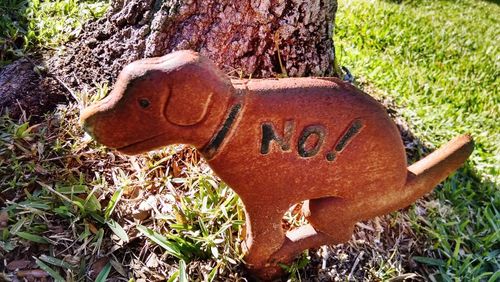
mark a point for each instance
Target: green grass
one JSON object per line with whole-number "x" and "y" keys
{"x": 440, "y": 60}
{"x": 27, "y": 26}
{"x": 76, "y": 208}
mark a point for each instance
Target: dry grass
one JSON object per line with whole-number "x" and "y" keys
{"x": 68, "y": 198}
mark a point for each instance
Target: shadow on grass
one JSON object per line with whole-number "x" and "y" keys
{"x": 13, "y": 29}
{"x": 462, "y": 207}
{"x": 463, "y": 220}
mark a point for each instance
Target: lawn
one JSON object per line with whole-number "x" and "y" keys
{"x": 77, "y": 210}
{"x": 440, "y": 62}
{"x": 27, "y": 27}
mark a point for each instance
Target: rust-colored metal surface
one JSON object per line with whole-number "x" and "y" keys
{"x": 276, "y": 142}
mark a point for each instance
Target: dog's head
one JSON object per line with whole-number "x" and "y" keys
{"x": 177, "y": 98}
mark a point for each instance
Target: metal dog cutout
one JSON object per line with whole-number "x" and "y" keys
{"x": 276, "y": 142}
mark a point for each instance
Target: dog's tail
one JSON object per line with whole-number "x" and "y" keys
{"x": 425, "y": 174}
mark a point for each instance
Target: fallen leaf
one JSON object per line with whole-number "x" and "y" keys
{"x": 18, "y": 264}
{"x": 74, "y": 260}
{"x": 91, "y": 226}
{"x": 176, "y": 171}
{"x": 141, "y": 215}
{"x": 4, "y": 219}
{"x": 152, "y": 261}
{"x": 145, "y": 207}
{"x": 34, "y": 273}
{"x": 131, "y": 192}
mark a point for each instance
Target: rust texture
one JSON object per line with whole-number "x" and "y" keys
{"x": 276, "y": 142}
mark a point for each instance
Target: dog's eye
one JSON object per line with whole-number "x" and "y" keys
{"x": 144, "y": 103}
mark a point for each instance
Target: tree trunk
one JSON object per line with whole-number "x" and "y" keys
{"x": 266, "y": 38}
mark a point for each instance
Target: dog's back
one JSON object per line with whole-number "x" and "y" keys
{"x": 321, "y": 134}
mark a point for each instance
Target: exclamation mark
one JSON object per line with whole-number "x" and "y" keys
{"x": 354, "y": 129}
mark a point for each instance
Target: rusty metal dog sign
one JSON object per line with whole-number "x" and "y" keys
{"x": 276, "y": 142}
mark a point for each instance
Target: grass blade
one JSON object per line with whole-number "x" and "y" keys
{"x": 112, "y": 203}
{"x": 50, "y": 189}
{"x": 56, "y": 262}
{"x": 32, "y": 237}
{"x": 118, "y": 230}
{"x": 73, "y": 189}
{"x": 57, "y": 277}
{"x": 182, "y": 271}
{"x": 495, "y": 277}
{"x": 6, "y": 246}
{"x": 16, "y": 227}
{"x": 91, "y": 203}
{"x": 118, "y": 267}
{"x": 429, "y": 261}
{"x": 162, "y": 241}
{"x": 103, "y": 275}
{"x": 213, "y": 272}
{"x": 173, "y": 276}
{"x": 98, "y": 240}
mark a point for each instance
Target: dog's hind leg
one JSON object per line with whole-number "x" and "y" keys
{"x": 332, "y": 216}
{"x": 327, "y": 226}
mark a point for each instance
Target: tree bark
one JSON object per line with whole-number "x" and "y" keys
{"x": 265, "y": 38}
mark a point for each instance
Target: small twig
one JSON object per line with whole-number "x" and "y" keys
{"x": 60, "y": 157}
{"x": 324, "y": 256}
{"x": 23, "y": 116}
{"x": 277, "y": 46}
{"x": 71, "y": 92}
{"x": 356, "y": 262}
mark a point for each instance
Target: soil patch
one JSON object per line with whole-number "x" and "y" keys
{"x": 24, "y": 91}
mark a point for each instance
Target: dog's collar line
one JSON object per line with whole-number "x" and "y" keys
{"x": 213, "y": 146}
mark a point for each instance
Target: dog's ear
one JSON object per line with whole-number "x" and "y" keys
{"x": 189, "y": 101}
{"x": 194, "y": 86}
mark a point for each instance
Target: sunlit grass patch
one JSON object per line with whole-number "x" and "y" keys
{"x": 27, "y": 26}
{"x": 440, "y": 61}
